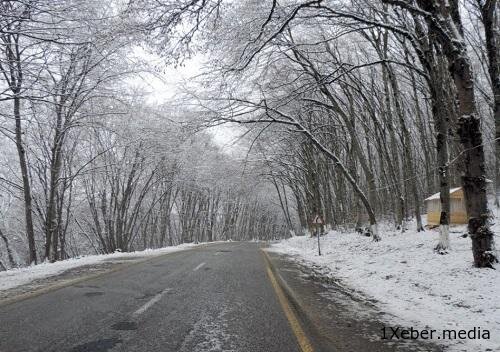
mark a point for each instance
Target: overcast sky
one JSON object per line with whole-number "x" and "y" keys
{"x": 164, "y": 85}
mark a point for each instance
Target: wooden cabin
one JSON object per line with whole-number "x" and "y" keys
{"x": 458, "y": 214}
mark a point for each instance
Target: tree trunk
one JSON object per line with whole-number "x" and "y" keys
{"x": 489, "y": 11}
{"x": 9, "y": 250}
{"x": 21, "y": 152}
{"x": 51, "y": 223}
{"x": 473, "y": 178}
{"x": 442, "y": 125}
{"x": 407, "y": 150}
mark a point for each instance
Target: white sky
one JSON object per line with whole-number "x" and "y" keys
{"x": 162, "y": 87}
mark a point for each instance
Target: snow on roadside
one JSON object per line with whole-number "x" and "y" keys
{"x": 17, "y": 277}
{"x": 422, "y": 289}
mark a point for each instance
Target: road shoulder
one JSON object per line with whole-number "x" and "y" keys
{"x": 340, "y": 319}
{"x": 73, "y": 275}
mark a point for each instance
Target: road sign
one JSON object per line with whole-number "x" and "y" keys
{"x": 318, "y": 220}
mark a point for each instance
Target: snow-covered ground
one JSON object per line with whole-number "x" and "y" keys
{"x": 418, "y": 287}
{"x": 16, "y": 277}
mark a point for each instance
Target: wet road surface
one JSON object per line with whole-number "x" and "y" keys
{"x": 217, "y": 297}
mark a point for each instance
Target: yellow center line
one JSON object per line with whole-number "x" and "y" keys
{"x": 303, "y": 341}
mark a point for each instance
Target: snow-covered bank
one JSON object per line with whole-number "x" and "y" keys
{"x": 16, "y": 277}
{"x": 420, "y": 288}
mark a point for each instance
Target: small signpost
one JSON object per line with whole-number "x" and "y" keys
{"x": 318, "y": 222}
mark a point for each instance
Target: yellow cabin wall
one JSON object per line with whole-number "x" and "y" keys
{"x": 433, "y": 218}
{"x": 458, "y": 215}
{"x": 455, "y": 218}
{"x": 459, "y": 194}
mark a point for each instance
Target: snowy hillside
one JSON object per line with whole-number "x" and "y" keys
{"x": 421, "y": 288}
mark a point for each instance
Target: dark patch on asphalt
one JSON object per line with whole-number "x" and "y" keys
{"x": 224, "y": 251}
{"x": 207, "y": 268}
{"x": 73, "y": 273}
{"x": 145, "y": 296}
{"x": 125, "y": 326}
{"x": 93, "y": 294}
{"x": 102, "y": 345}
{"x": 86, "y": 286}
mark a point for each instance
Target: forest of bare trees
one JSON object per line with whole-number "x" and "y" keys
{"x": 354, "y": 110}
{"x": 89, "y": 165}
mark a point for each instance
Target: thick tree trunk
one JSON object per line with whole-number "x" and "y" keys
{"x": 489, "y": 12}
{"x": 441, "y": 123}
{"x": 474, "y": 174}
{"x": 21, "y": 152}
{"x": 51, "y": 223}
{"x": 442, "y": 111}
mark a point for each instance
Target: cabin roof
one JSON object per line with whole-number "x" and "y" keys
{"x": 436, "y": 196}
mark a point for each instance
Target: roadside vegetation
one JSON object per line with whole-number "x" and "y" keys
{"x": 354, "y": 111}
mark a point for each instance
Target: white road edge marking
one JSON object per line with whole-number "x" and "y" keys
{"x": 150, "y": 303}
{"x": 199, "y": 266}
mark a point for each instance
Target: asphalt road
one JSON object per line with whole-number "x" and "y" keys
{"x": 213, "y": 298}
